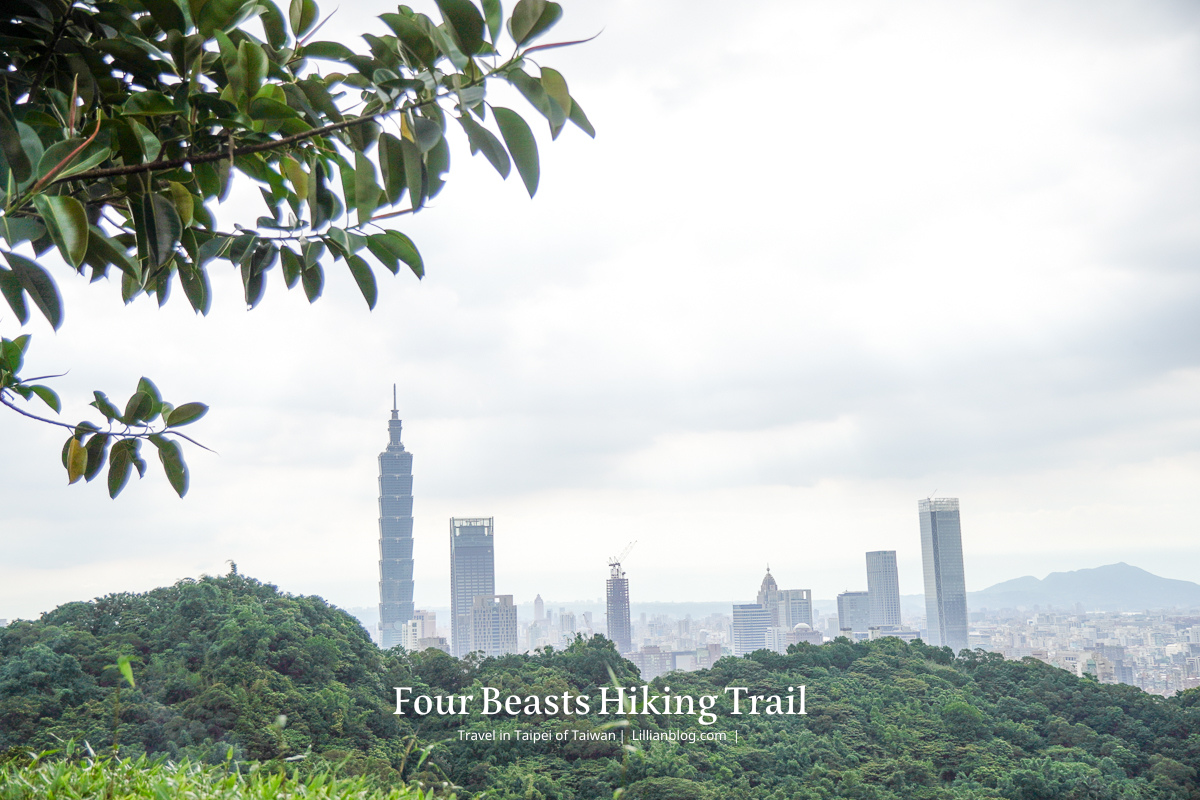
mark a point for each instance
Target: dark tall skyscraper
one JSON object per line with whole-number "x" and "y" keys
{"x": 472, "y": 574}
{"x": 620, "y": 630}
{"x": 395, "y": 535}
{"x": 883, "y": 586}
{"x": 945, "y": 581}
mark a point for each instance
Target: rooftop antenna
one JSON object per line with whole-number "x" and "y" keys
{"x": 394, "y": 404}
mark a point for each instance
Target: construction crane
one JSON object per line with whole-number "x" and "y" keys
{"x": 614, "y": 562}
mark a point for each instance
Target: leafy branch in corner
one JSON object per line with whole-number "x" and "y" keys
{"x": 88, "y": 447}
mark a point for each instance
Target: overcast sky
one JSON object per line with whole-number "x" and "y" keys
{"x": 821, "y": 260}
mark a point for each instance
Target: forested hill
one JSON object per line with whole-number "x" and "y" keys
{"x": 219, "y": 660}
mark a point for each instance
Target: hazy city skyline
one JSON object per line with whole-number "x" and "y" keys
{"x": 958, "y": 259}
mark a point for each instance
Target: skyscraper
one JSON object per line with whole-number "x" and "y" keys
{"x": 854, "y": 612}
{"x": 750, "y": 624}
{"x": 395, "y": 535}
{"x": 472, "y": 574}
{"x": 883, "y": 586}
{"x": 945, "y": 581}
{"x": 620, "y": 630}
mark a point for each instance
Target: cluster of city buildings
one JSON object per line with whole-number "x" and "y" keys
{"x": 1159, "y": 653}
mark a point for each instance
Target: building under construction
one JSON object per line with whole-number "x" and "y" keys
{"x": 620, "y": 630}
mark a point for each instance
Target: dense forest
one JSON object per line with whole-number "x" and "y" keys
{"x": 230, "y": 668}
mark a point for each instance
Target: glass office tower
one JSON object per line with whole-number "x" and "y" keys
{"x": 883, "y": 586}
{"x": 472, "y": 574}
{"x": 945, "y": 581}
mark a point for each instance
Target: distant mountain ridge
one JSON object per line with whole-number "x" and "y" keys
{"x": 1114, "y": 587}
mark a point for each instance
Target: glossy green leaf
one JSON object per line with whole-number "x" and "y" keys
{"x": 393, "y": 247}
{"x": 223, "y": 15}
{"x": 264, "y": 108}
{"x": 120, "y": 466}
{"x": 302, "y": 15}
{"x": 166, "y": 13}
{"x": 102, "y": 250}
{"x": 48, "y": 396}
{"x": 162, "y": 227}
{"x": 273, "y": 24}
{"x": 40, "y": 287}
{"x": 484, "y": 141}
{"x": 580, "y": 119}
{"x": 365, "y": 279}
{"x": 138, "y": 408}
{"x": 414, "y": 174}
{"x": 67, "y": 223}
{"x": 15, "y": 230}
{"x": 391, "y": 164}
{"x": 427, "y": 133}
{"x": 313, "y": 280}
{"x": 366, "y": 189}
{"x": 171, "y": 457}
{"x": 149, "y": 104}
{"x": 415, "y": 42}
{"x": 493, "y": 13}
{"x": 14, "y": 294}
{"x": 520, "y": 142}
{"x": 196, "y": 287}
{"x": 531, "y": 18}
{"x": 10, "y": 140}
{"x": 97, "y": 450}
{"x": 465, "y": 23}
{"x": 105, "y": 406}
{"x": 292, "y": 267}
{"x": 330, "y": 51}
{"x": 186, "y": 414}
{"x": 252, "y": 61}
{"x": 59, "y": 152}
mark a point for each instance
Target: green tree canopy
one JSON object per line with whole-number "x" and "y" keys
{"x": 122, "y": 123}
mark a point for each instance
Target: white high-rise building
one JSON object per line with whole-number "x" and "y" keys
{"x": 472, "y": 574}
{"x": 493, "y": 625}
{"x": 883, "y": 586}
{"x": 945, "y": 579}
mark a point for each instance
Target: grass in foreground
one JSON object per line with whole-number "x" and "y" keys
{"x": 135, "y": 779}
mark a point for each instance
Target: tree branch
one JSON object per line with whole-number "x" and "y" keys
{"x": 5, "y": 401}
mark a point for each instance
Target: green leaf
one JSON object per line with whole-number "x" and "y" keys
{"x": 162, "y": 227}
{"x": 313, "y": 280}
{"x": 264, "y": 108}
{"x": 252, "y": 61}
{"x": 580, "y": 119}
{"x": 302, "y": 15}
{"x": 414, "y": 41}
{"x": 171, "y": 457}
{"x": 138, "y": 408}
{"x": 48, "y": 397}
{"x": 414, "y": 173}
{"x": 56, "y": 153}
{"x": 365, "y": 279}
{"x": 67, "y": 223}
{"x": 223, "y": 15}
{"x": 186, "y": 414}
{"x": 531, "y": 18}
{"x": 76, "y": 460}
{"x": 15, "y": 230}
{"x": 391, "y": 163}
{"x": 102, "y": 250}
{"x": 484, "y": 141}
{"x": 150, "y": 104}
{"x": 40, "y": 287}
{"x": 10, "y": 287}
{"x": 195, "y": 286}
{"x": 273, "y": 25}
{"x": 536, "y": 94}
{"x": 465, "y": 23}
{"x": 120, "y": 465}
{"x": 427, "y": 132}
{"x": 296, "y": 174}
{"x": 329, "y": 51}
{"x": 392, "y": 247}
{"x": 291, "y": 266}
{"x": 184, "y": 203}
{"x": 167, "y": 14}
{"x": 10, "y": 140}
{"x": 126, "y": 670}
{"x": 521, "y": 145}
{"x": 366, "y": 189}
{"x": 494, "y": 14}
{"x": 96, "y": 448}
{"x": 105, "y": 406}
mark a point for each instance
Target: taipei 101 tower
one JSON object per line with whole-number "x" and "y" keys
{"x": 395, "y": 535}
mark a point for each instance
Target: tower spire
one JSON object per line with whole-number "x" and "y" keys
{"x": 395, "y": 409}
